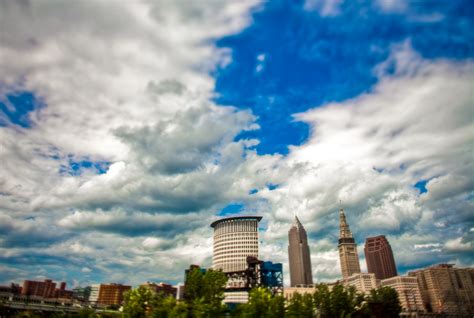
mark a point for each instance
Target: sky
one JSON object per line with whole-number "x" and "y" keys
{"x": 127, "y": 127}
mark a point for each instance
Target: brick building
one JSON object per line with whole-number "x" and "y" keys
{"x": 45, "y": 289}
{"x": 446, "y": 289}
{"x": 408, "y": 292}
{"x": 165, "y": 289}
{"x": 108, "y": 294}
{"x": 379, "y": 257}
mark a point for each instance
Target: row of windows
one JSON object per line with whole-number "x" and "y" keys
{"x": 233, "y": 258}
{"x": 246, "y": 252}
{"x": 242, "y": 234}
{"x": 234, "y": 247}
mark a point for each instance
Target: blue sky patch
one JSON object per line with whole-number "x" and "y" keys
{"x": 290, "y": 59}
{"x": 421, "y": 185}
{"x": 232, "y": 208}
{"x": 77, "y": 167}
{"x": 15, "y": 108}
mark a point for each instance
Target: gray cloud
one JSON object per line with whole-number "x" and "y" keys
{"x": 139, "y": 95}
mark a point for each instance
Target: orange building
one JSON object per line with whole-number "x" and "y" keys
{"x": 46, "y": 289}
{"x": 108, "y": 294}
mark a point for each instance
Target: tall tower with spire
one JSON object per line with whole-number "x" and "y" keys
{"x": 298, "y": 255}
{"x": 348, "y": 256}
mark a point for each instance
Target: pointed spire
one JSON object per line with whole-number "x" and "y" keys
{"x": 297, "y": 223}
{"x": 344, "y": 230}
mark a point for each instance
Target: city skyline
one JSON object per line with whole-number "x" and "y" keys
{"x": 121, "y": 142}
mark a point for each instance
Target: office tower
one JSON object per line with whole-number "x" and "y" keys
{"x": 235, "y": 238}
{"x": 379, "y": 257}
{"x": 408, "y": 292}
{"x": 446, "y": 289}
{"x": 348, "y": 256}
{"x": 299, "y": 256}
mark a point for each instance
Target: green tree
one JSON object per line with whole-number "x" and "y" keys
{"x": 138, "y": 302}
{"x": 204, "y": 292}
{"x": 262, "y": 303}
{"x": 277, "y": 306}
{"x": 300, "y": 306}
{"x": 388, "y": 301}
{"x": 87, "y": 313}
{"x": 165, "y": 307}
{"x": 339, "y": 302}
{"x": 322, "y": 300}
{"x": 259, "y": 304}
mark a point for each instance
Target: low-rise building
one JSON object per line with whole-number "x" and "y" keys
{"x": 45, "y": 289}
{"x": 446, "y": 289}
{"x": 107, "y": 294}
{"x": 162, "y": 288}
{"x": 408, "y": 292}
{"x": 363, "y": 282}
{"x": 81, "y": 293}
{"x": 289, "y": 292}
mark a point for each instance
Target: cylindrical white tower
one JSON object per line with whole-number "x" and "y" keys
{"x": 235, "y": 238}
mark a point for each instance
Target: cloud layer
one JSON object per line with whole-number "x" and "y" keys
{"x": 125, "y": 157}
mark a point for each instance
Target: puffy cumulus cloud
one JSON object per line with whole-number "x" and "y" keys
{"x": 136, "y": 96}
{"x": 415, "y": 124}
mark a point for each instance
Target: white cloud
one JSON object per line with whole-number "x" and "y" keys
{"x": 324, "y": 7}
{"x": 139, "y": 95}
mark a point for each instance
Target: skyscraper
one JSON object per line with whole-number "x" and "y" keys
{"x": 298, "y": 254}
{"x": 379, "y": 257}
{"x": 348, "y": 256}
{"x": 235, "y": 238}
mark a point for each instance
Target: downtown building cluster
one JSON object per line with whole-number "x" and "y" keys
{"x": 110, "y": 295}
{"x": 441, "y": 288}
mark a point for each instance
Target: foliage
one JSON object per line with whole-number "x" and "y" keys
{"x": 387, "y": 297}
{"x": 138, "y": 302}
{"x": 300, "y": 306}
{"x": 263, "y": 304}
{"x": 339, "y": 302}
{"x": 204, "y": 292}
{"x": 87, "y": 313}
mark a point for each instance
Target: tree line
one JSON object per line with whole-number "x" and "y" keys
{"x": 204, "y": 295}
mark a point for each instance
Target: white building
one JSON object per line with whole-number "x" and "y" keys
{"x": 363, "y": 282}
{"x": 408, "y": 291}
{"x": 94, "y": 295}
{"x": 289, "y": 292}
{"x": 235, "y": 238}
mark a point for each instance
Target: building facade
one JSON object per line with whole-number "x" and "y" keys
{"x": 446, "y": 289}
{"x": 161, "y": 288}
{"x": 363, "y": 282}
{"x": 289, "y": 292}
{"x": 349, "y": 259}
{"x": 299, "y": 255}
{"x": 408, "y": 292}
{"x": 379, "y": 257}
{"x": 108, "y": 294}
{"x": 45, "y": 289}
{"x": 235, "y": 239}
